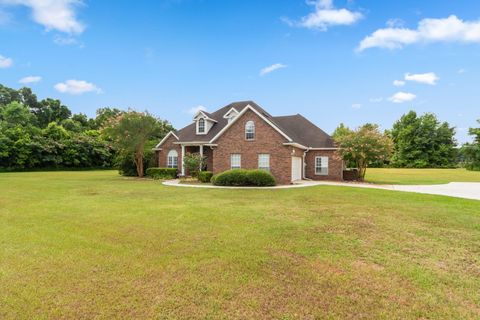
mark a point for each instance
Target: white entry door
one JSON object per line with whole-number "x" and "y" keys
{"x": 297, "y": 168}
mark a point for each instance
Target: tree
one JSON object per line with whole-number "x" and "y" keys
{"x": 28, "y": 139}
{"x": 341, "y": 131}
{"x": 51, "y": 110}
{"x": 193, "y": 162}
{"x": 422, "y": 141}
{"x": 131, "y": 131}
{"x": 15, "y": 114}
{"x": 471, "y": 151}
{"x": 105, "y": 115}
{"x": 364, "y": 146}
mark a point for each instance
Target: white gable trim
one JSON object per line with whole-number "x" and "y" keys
{"x": 165, "y": 139}
{"x": 204, "y": 116}
{"x": 249, "y": 107}
{"x": 227, "y": 115}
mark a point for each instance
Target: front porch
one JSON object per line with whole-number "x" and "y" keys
{"x": 204, "y": 150}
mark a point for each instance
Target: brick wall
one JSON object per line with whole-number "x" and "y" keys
{"x": 335, "y": 165}
{"x": 267, "y": 140}
{"x": 166, "y": 147}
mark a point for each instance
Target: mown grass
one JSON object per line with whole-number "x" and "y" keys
{"x": 96, "y": 245}
{"x": 420, "y": 176}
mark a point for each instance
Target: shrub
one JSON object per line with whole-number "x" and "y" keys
{"x": 242, "y": 177}
{"x": 194, "y": 161}
{"x": 162, "y": 173}
{"x": 260, "y": 178}
{"x": 205, "y": 176}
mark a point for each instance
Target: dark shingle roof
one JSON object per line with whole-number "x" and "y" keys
{"x": 299, "y": 129}
{"x": 302, "y": 131}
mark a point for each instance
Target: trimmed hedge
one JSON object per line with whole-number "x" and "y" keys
{"x": 242, "y": 177}
{"x": 162, "y": 173}
{"x": 205, "y": 176}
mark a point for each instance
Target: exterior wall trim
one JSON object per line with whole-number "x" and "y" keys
{"x": 249, "y": 107}
{"x": 157, "y": 147}
{"x": 204, "y": 115}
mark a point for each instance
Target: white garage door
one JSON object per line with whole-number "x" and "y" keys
{"x": 296, "y": 168}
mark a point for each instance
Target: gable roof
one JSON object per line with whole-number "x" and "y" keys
{"x": 296, "y": 129}
{"x": 304, "y": 132}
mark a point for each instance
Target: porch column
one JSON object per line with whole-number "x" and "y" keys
{"x": 183, "y": 163}
{"x": 201, "y": 156}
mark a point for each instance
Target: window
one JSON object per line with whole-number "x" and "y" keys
{"x": 264, "y": 162}
{"x": 249, "y": 130}
{"x": 201, "y": 125}
{"x": 172, "y": 159}
{"x": 235, "y": 161}
{"x": 321, "y": 166}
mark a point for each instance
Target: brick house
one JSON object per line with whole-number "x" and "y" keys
{"x": 243, "y": 135}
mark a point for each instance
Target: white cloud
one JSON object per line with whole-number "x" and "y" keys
{"x": 65, "y": 41}
{"x": 395, "y": 23}
{"x": 76, "y": 87}
{"x": 30, "y": 79}
{"x": 5, "y": 62}
{"x": 461, "y": 71}
{"x": 272, "y": 68}
{"x": 356, "y": 105}
{"x": 401, "y": 97}
{"x": 325, "y": 16}
{"x": 194, "y": 110}
{"x": 398, "y": 83}
{"x": 426, "y": 78}
{"x": 376, "y": 100}
{"x": 451, "y": 29}
{"x": 53, "y": 14}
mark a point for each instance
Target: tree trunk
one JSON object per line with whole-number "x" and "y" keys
{"x": 362, "y": 167}
{"x": 139, "y": 164}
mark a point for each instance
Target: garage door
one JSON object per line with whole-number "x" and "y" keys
{"x": 296, "y": 168}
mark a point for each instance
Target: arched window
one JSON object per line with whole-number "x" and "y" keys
{"x": 172, "y": 159}
{"x": 249, "y": 130}
{"x": 201, "y": 125}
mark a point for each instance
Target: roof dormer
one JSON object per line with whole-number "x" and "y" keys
{"x": 203, "y": 122}
{"x": 231, "y": 114}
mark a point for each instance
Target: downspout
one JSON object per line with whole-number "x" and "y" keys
{"x": 305, "y": 164}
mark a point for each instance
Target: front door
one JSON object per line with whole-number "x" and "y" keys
{"x": 297, "y": 168}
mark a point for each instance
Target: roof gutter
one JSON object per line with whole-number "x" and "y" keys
{"x": 305, "y": 164}
{"x": 297, "y": 145}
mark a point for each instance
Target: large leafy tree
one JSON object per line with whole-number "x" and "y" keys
{"x": 471, "y": 151}
{"x": 131, "y": 131}
{"x": 363, "y": 146}
{"x": 45, "y": 134}
{"x": 51, "y": 110}
{"x": 422, "y": 142}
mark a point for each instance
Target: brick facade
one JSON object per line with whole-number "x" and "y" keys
{"x": 267, "y": 141}
{"x": 335, "y": 165}
{"x": 166, "y": 147}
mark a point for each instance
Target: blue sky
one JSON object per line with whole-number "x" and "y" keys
{"x": 330, "y": 61}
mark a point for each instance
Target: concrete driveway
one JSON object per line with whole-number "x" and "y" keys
{"x": 467, "y": 190}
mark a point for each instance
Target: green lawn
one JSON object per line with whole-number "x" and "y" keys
{"x": 420, "y": 176}
{"x": 96, "y": 245}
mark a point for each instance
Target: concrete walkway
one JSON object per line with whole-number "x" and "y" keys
{"x": 467, "y": 190}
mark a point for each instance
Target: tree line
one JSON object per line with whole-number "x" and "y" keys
{"x": 413, "y": 142}
{"x": 45, "y": 134}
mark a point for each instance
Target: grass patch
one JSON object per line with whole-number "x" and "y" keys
{"x": 420, "y": 176}
{"x": 96, "y": 245}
